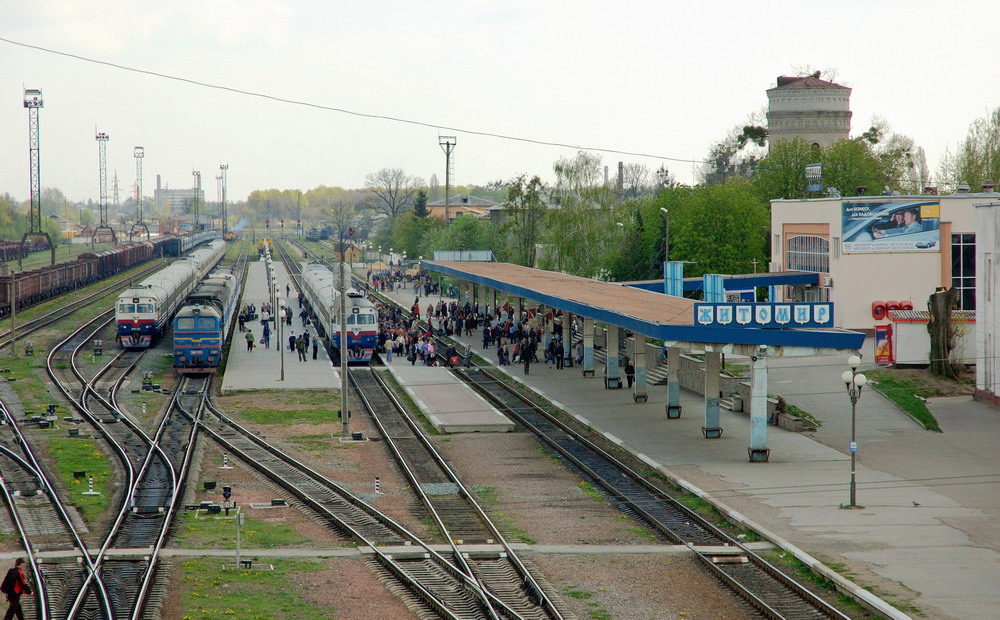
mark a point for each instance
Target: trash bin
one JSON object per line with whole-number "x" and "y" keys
{"x": 737, "y": 402}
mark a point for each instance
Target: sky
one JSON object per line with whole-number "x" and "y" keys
{"x": 661, "y": 80}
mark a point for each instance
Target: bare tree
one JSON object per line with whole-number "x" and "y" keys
{"x": 342, "y": 215}
{"x": 636, "y": 181}
{"x": 391, "y": 191}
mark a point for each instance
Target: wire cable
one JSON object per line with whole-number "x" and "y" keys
{"x": 318, "y": 106}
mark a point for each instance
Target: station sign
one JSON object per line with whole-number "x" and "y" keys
{"x": 765, "y": 315}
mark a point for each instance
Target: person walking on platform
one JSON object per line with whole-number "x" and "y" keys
{"x": 14, "y": 585}
{"x": 630, "y": 373}
{"x": 300, "y": 346}
{"x": 291, "y": 341}
{"x": 315, "y": 343}
{"x": 249, "y": 340}
{"x": 266, "y": 336}
{"x": 288, "y": 291}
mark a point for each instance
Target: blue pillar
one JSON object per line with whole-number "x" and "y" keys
{"x": 758, "y": 451}
{"x": 713, "y": 366}
{"x": 673, "y": 278}
{"x": 714, "y": 291}
{"x": 588, "y": 346}
{"x": 612, "y": 380}
{"x": 673, "y": 383}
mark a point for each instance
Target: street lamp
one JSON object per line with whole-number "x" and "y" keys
{"x": 666, "y": 234}
{"x": 281, "y": 342}
{"x": 854, "y": 382}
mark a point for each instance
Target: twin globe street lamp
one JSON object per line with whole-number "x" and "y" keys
{"x": 854, "y": 381}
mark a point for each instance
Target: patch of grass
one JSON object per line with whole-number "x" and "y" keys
{"x": 805, "y": 415}
{"x": 737, "y": 370}
{"x": 580, "y": 595}
{"x": 699, "y": 505}
{"x": 591, "y": 491}
{"x": 485, "y": 495}
{"x": 597, "y": 612}
{"x": 72, "y": 455}
{"x": 907, "y": 394}
{"x": 199, "y": 531}
{"x": 213, "y": 593}
{"x": 312, "y": 443}
{"x": 289, "y": 416}
{"x": 641, "y": 532}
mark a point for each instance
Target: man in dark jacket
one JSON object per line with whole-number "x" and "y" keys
{"x": 16, "y": 586}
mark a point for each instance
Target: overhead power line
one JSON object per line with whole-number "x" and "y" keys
{"x": 318, "y": 106}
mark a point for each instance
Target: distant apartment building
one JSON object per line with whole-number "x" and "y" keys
{"x": 809, "y": 108}
{"x": 177, "y": 201}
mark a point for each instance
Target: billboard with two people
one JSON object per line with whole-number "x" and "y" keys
{"x": 891, "y": 226}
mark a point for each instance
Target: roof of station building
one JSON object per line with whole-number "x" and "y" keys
{"x": 655, "y": 315}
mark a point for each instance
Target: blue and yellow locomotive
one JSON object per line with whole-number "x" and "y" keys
{"x": 201, "y": 325}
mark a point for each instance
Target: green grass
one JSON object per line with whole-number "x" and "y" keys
{"x": 591, "y": 491}
{"x": 71, "y": 455}
{"x": 289, "y": 416}
{"x": 907, "y": 395}
{"x": 737, "y": 370}
{"x": 212, "y": 593}
{"x": 312, "y": 443}
{"x": 595, "y": 611}
{"x": 805, "y": 415}
{"x": 200, "y": 531}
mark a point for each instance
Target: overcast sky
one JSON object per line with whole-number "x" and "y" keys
{"x": 654, "y": 77}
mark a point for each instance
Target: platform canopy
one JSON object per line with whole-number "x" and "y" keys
{"x": 663, "y": 317}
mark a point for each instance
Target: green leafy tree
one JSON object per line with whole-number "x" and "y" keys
{"x": 466, "y": 232}
{"x": 720, "y": 228}
{"x": 581, "y": 227}
{"x": 409, "y": 232}
{"x": 632, "y": 260}
{"x": 848, "y": 164}
{"x": 782, "y": 173}
{"x": 525, "y": 212}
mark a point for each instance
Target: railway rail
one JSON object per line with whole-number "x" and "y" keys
{"x": 452, "y": 507}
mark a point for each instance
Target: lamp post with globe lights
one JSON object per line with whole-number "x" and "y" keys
{"x": 854, "y": 381}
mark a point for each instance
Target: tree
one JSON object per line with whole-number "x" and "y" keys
{"x": 721, "y": 228}
{"x": 391, "y": 191}
{"x": 409, "y": 232}
{"x": 978, "y": 156}
{"x": 420, "y": 204}
{"x": 635, "y": 181}
{"x": 942, "y": 331}
{"x": 737, "y": 154}
{"x": 341, "y": 215}
{"x": 525, "y": 211}
{"x": 466, "y": 232}
{"x": 782, "y": 173}
{"x": 849, "y": 164}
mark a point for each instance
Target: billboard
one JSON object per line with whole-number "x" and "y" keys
{"x": 891, "y": 226}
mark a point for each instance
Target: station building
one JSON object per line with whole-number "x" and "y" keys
{"x": 873, "y": 253}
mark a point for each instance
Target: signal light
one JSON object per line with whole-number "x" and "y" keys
{"x": 267, "y": 223}
{"x": 227, "y": 491}
{"x": 350, "y": 231}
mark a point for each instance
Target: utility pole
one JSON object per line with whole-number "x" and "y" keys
{"x": 197, "y": 186}
{"x": 139, "y": 152}
{"x": 224, "y": 168}
{"x": 447, "y": 144}
{"x": 345, "y": 413}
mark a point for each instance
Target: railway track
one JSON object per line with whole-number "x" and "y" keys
{"x": 452, "y": 507}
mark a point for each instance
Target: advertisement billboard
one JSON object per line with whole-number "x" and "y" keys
{"x": 891, "y": 226}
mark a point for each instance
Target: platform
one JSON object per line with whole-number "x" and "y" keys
{"x": 450, "y": 405}
{"x": 926, "y": 532}
{"x": 260, "y": 369}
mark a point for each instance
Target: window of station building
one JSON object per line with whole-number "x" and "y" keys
{"x": 963, "y": 269}
{"x": 807, "y": 253}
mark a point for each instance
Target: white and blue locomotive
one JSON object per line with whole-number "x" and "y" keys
{"x": 144, "y": 311}
{"x": 322, "y": 296}
{"x": 201, "y": 325}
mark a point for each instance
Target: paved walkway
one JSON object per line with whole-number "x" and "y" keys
{"x": 261, "y": 369}
{"x": 449, "y": 404}
{"x": 941, "y": 556}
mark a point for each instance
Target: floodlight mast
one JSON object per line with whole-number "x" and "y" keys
{"x": 447, "y": 144}
{"x": 33, "y": 102}
{"x": 102, "y": 143}
{"x": 138, "y": 152}
{"x": 224, "y": 168}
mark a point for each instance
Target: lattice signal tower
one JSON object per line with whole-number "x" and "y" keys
{"x": 102, "y": 143}
{"x": 33, "y": 101}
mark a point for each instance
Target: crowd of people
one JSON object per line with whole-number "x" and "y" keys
{"x": 296, "y": 343}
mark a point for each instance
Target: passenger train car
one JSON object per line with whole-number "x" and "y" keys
{"x": 201, "y": 325}
{"x": 319, "y": 286}
{"x": 142, "y": 312}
